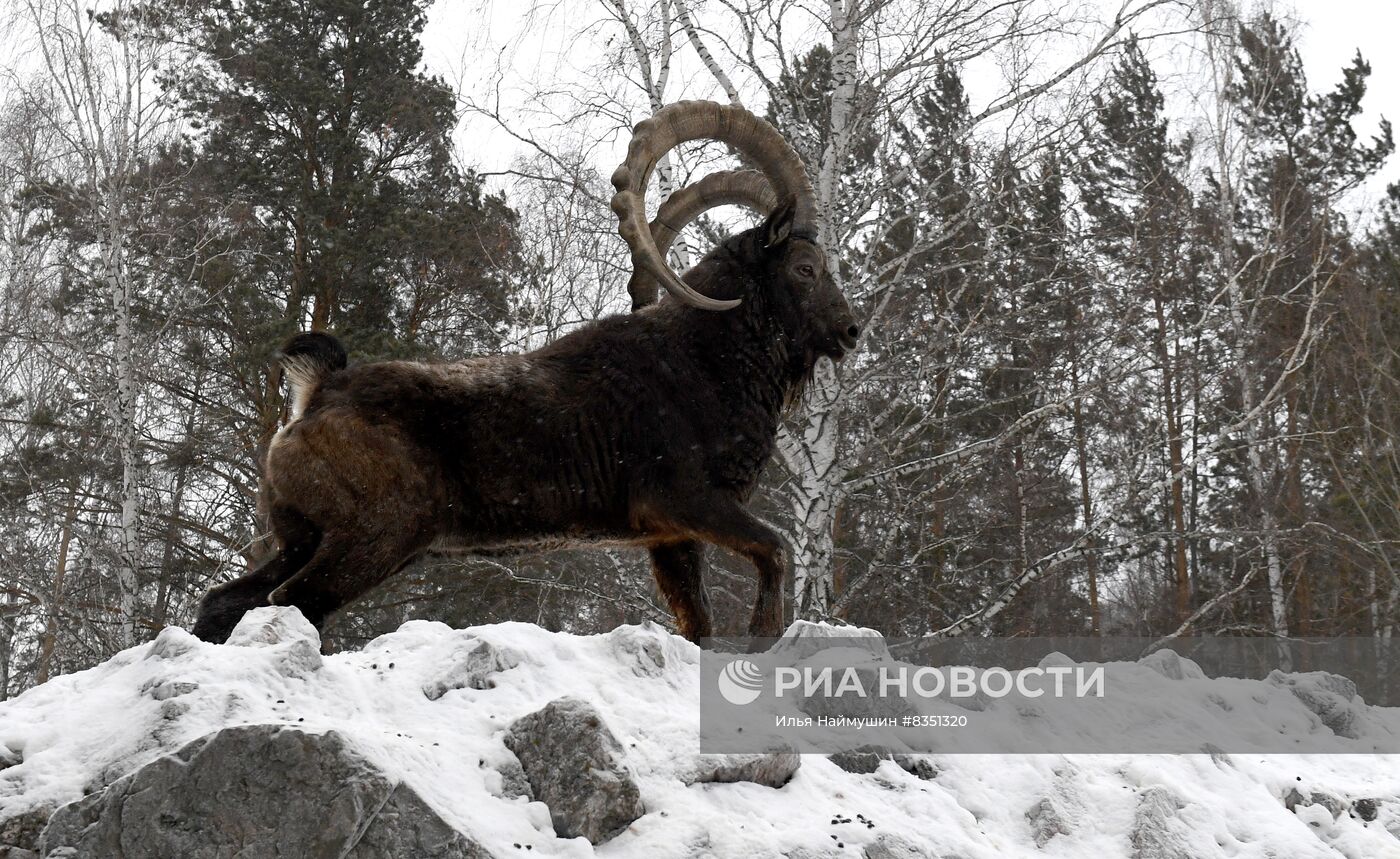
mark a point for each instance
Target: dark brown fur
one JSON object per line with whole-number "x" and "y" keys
{"x": 648, "y": 429}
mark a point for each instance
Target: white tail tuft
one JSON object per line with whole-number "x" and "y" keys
{"x": 303, "y": 375}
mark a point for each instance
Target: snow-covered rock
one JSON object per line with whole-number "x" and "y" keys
{"x": 1046, "y": 821}
{"x": 77, "y": 737}
{"x": 472, "y": 667}
{"x": 1172, "y": 665}
{"x": 773, "y": 769}
{"x": 1154, "y": 833}
{"x": 1332, "y": 698}
{"x": 805, "y": 637}
{"x": 576, "y": 767}
{"x": 893, "y": 847}
{"x": 258, "y": 790}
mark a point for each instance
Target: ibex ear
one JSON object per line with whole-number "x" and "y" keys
{"x": 778, "y": 227}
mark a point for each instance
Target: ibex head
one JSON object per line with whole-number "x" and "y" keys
{"x": 782, "y": 257}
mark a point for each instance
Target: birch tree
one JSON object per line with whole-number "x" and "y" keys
{"x": 864, "y": 95}
{"x": 1284, "y": 159}
{"x": 99, "y": 73}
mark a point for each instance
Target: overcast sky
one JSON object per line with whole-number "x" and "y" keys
{"x": 492, "y": 51}
{"x": 1333, "y": 31}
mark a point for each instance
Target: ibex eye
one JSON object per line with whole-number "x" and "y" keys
{"x": 806, "y": 270}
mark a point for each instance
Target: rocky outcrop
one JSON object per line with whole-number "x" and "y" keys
{"x": 19, "y": 835}
{"x": 574, "y": 765}
{"x": 641, "y": 647}
{"x": 895, "y": 847}
{"x": 472, "y": 668}
{"x": 259, "y": 790}
{"x": 864, "y": 760}
{"x": 1172, "y": 665}
{"x": 1152, "y": 836}
{"x": 772, "y": 769}
{"x": 440, "y": 748}
{"x": 1333, "y": 698}
{"x": 1046, "y": 821}
{"x": 284, "y": 630}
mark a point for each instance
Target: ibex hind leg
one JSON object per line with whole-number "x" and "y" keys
{"x": 679, "y": 570}
{"x": 344, "y": 568}
{"x": 224, "y": 605}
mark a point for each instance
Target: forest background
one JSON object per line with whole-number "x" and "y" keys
{"x": 1130, "y": 283}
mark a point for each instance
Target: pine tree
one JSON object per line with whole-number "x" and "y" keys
{"x": 906, "y": 525}
{"x": 1293, "y": 247}
{"x": 333, "y": 148}
{"x": 1133, "y": 179}
{"x": 323, "y": 157}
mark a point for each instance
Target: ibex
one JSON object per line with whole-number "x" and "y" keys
{"x": 647, "y": 429}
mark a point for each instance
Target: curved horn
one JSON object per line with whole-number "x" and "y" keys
{"x": 748, "y": 188}
{"x": 693, "y": 120}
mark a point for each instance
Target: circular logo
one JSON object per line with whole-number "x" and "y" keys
{"x": 740, "y": 682}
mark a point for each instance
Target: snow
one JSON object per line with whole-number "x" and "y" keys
{"x": 79, "y": 732}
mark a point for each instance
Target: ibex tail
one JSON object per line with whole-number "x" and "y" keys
{"x": 306, "y": 359}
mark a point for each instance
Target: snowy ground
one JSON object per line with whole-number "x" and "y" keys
{"x": 82, "y": 731}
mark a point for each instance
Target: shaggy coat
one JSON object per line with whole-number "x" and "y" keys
{"x": 647, "y": 430}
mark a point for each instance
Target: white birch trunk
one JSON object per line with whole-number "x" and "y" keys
{"x": 1392, "y": 603}
{"x": 843, "y": 78}
{"x": 654, "y": 82}
{"x": 124, "y": 413}
{"x": 716, "y": 70}
{"x": 1219, "y": 17}
{"x": 109, "y": 120}
{"x": 815, "y": 492}
{"x": 810, "y": 453}
{"x": 114, "y": 162}
{"x": 1259, "y": 481}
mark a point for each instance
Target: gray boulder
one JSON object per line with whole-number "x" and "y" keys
{"x": 918, "y": 766}
{"x": 1153, "y": 835}
{"x": 895, "y": 847}
{"x": 1046, "y": 821}
{"x": 1366, "y": 809}
{"x": 284, "y": 630}
{"x": 257, "y": 790}
{"x": 19, "y": 835}
{"x": 1335, "y": 805}
{"x": 861, "y": 761}
{"x": 642, "y": 648}
{"x": 805, "y": 638}
{"x": 771, "y": 769}
{"x": 574, "y": 765}
{"x": 864, "y": 760}
{"x": 473, "y": 669}
{"x": 1331, "y": 696}
{"x": 1172, "y": 665}
{"x": 513, "y": 780}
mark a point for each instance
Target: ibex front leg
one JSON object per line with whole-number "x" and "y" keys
{"x": 723, "y": 521}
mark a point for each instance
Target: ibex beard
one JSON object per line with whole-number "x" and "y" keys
{"x": 648, "y": 429}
